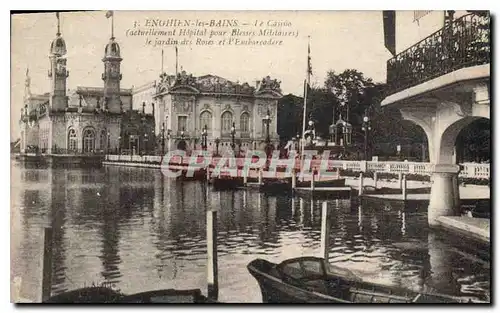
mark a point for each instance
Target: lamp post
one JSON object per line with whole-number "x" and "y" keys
{"x": 366, "y": 127}
{"x": 298, "y": 144}
{"x": 204, "y": 134}
{"x": 217, "y": 141}
{"x": 120, "y": 145}
{"x": 145, "y": 144}
{"x": 239, "y": 143}
{"x": 107, "y": 149}
{"x": 233, "y": 133}
{"x": 267, "y": 120}
{"x": 311, "y": 129}
{"x": 163, "y": 139}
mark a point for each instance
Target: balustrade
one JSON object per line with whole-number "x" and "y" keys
{"x": 464, "y": 43}
{"x": 469, "y": 170}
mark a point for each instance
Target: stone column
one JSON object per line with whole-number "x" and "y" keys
{"x": 456, "y": 192}
{"x": 442, "y": 200}
{"x": 360, "y": 191}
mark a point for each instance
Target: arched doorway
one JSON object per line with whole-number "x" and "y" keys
{"x": 88, "y": 140}
{"x": 451, "y": 141}
{"x": 473, "y": 143}
{"x": 182, "y": 145}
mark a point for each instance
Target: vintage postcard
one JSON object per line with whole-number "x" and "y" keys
{"x": 250, "y": 157}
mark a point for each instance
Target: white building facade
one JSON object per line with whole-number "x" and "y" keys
{"x": 231, "y": 112}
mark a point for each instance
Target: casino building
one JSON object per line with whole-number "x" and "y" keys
{"x": 226, "y": 113}
{"x": 85, "y": 121}
{"x": 178, "y": 111}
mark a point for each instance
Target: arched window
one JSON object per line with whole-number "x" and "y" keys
{"x": 245, "y": 122}
{"x": 227, "y": 121}
{"x": 88, "y": 140}
{"x": 72, "y": 140}
{"x": 102, "y": 140}
{"x": 206, "y": 119}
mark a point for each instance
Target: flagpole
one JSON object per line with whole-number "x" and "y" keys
{"x": 304, "y": 114}
{"x": 161, "y": 61}
{"x": 113, "y": 25}
{"x": 176, "y": 61}
{"x": 306, "y": 87}
{"x": 58, "y": 24}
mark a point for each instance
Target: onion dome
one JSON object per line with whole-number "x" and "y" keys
{"x": 112, "y": 49}
{"x": 58, "y": 46}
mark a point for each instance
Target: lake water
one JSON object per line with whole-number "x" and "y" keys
{"x": 138, "y": 230}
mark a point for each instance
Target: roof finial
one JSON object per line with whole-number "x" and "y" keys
{"x": 58, "y": 25}
{"x": 161, "y": 61}
{"x": 108, "y": 15}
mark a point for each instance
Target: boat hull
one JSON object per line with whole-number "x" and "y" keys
{"x": 291, "y": 282}
{"x": 344, "y": 193}
{"x": 275, "y": 291}
{"x": 325, "y": 183}
{"x": 226, "y": 183}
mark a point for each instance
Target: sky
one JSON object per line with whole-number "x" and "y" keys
{"x": 338, "y": 40}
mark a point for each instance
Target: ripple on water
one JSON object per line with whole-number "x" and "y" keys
{"x": 154, "y": 238}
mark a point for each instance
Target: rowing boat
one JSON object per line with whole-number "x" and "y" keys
{"x": 314, "y": 280}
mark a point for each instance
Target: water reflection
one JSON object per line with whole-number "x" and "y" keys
{"x": 139, "y": 230}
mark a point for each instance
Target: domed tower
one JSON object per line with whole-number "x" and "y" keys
{"x": 58, "y": 72}
{"x": 112, "y": 76}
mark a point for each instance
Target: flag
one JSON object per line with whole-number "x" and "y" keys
{"x": 309, "y": 67}
{"x": 109, "y": 14}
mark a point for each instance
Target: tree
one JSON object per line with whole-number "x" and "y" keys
{"x": 349, "y": 88}
{"x": 289, "y": 116}
{"x": 351, "y": 95}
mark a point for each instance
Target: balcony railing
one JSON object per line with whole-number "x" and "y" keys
{"x": 463, "y": 43}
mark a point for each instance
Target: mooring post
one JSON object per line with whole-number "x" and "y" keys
{"x": 260, "y": 176}
{"x": 245, "y": 176}
{"x": 212, "y": 273}
{"x": 360, "y": 183}
{"x": 47, "y": 264}
{"x": 375, "y": 179}
{"x": 294, "y": 179}
{"x": 312, "y": 181}
{"x": 403, "y": 189}
{"x": 400, "y": 180}
{"x": 325, "y": 231}
{"x": 208, "y": 173}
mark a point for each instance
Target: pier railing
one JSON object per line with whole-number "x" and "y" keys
{"x": 468, "y": 170}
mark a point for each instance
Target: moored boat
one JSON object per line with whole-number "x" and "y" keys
{"x": 226, "y": 183}
{"x": 329, "y": 193}
{"x": 276, "y": 185}
{"x": 339, "y": 182}
{"x": 108, "y": 295}
{"x": 314, "y": 280}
